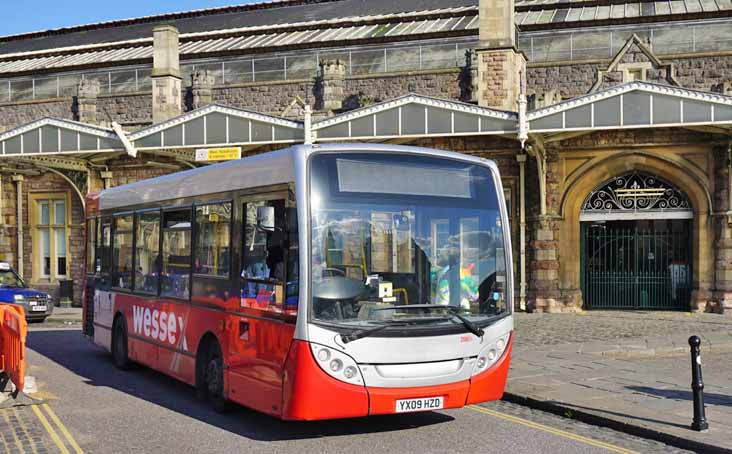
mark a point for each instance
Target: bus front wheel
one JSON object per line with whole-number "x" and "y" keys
{"x": 213, "y": 378}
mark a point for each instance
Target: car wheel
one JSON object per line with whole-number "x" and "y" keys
{"x": 214, "y": 378}
{"x": 119, "y": 345}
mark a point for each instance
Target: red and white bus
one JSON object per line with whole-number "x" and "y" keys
{"x": 314, "y": 282}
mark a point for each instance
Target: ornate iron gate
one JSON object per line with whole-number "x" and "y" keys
{"x": 627, "y": 267}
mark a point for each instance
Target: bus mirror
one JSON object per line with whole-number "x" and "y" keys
{"x": 266, "y": 218}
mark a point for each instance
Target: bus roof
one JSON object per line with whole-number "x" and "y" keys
{"x": 261, "y": 170}
{"x": 275, "y": 167}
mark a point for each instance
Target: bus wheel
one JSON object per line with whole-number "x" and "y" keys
{"x": 119, "y": 345}
{"x": 214, "y": 378}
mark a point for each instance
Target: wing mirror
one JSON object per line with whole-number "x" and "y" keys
{"x": 266, "y": 218}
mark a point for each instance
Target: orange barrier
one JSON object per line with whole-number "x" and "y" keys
{"x": 13, "y": 331}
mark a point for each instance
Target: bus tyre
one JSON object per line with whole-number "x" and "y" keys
{"x": 213, "y": 375}
{"x": 119, "y": 345}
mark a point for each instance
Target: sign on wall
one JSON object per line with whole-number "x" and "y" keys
{"x": 218, "y": 154}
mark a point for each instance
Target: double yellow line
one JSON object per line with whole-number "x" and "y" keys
{"x": 67, "y": 439}
{"x": 553, "y": 431}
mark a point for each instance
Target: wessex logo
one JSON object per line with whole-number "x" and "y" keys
{"x": 158, "y": 325}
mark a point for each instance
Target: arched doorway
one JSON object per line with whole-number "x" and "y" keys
{"x": 636, "y": 245}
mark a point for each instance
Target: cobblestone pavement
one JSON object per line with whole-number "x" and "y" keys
{"x": 631, "y": 368}
{"x": 21, "y": 432}
{"x": 596, "y": 433}
{"x": 539, "y": 330}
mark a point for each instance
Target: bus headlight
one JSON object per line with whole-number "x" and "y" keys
{"x": 337, "y": 364}
{"x": 490, "y": 354}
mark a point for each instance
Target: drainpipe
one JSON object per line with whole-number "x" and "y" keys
{"x": 18, "y": 179}
{"x": 522, "y": 229}
{"x": 729, "y": 181}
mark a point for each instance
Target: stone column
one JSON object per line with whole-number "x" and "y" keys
{"x": 722, "y": 294}
{"x": 330, "y": 85}
{"x": 107, "y": 178}
{"x": 201, "y": 84}
{"x": 544, "y": 294}
{"x": 166, "y": 74}
{"x": 500, "y": 64}
{"x": 86, "y": 101}
{"x": 18, "y": 180}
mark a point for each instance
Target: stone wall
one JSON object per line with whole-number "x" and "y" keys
{"x": 131, "y": 109}
{"x": 12, "y": 115}
{"x": 697, "y": 73}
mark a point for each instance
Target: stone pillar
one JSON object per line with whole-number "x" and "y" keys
{"x": 107, "y": 178}
{"x": 85, "y": 108}
{"x": 18, "y": 180}
{"x": 722, "y": 295}
{"x": 330, "y": 85}
{"x": 544, "y": 294}
{"x": 727, "y": 87}
{"x": 166, "y": 74}
{"x": 469, "y": 78}
{"x": 201, "y": 84}
{"x": 500, "y": 64}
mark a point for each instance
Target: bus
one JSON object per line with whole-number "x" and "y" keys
{"x": 313, "y": 282}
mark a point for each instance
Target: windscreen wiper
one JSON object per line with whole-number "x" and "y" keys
{"x": 356, "y": 335}
{"x": 472, "y": 327}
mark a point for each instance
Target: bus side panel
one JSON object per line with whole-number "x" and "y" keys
{"x": 104, "y": 310}
{"x": 257, "y": 354}
{"x": 310, "y": 394}
{"x": 489, "y": 385}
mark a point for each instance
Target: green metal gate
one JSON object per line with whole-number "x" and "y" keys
{"x": 627, "y": 267}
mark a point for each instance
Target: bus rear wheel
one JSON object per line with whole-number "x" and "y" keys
{"x": 213, "y": 376}
{"x": 119, "y": 345}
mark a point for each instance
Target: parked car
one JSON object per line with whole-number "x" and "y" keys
{"x": 36, "y": 304}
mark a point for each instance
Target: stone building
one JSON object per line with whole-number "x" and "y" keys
{"x": 611, "y": 121}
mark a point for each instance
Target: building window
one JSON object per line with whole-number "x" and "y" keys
{"x": 50, "y": 217}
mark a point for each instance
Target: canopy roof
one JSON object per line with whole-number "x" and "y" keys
{"x": 634, "y": 105}
{"x": 631, "y": 105}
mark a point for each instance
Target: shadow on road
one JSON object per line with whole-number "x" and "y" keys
{"x": 675, "y": 394}
{"x": 70, "y": 350}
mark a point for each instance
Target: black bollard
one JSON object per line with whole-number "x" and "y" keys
{"x": 697, "y": 386}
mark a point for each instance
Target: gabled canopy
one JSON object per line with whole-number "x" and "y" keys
{"x": 218, "y": 125}
{"x": 57, "y": 136}
{"x": 415, "y": 116}
{"x": 634, "y": 105}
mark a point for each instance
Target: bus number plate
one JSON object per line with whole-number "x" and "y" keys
{"x": 421, "y": 404}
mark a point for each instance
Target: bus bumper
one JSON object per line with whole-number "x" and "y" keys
{"x": 312, "y": 394}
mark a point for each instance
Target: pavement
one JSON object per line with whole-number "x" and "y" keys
{"x": 92, "y": 406}
{"x": 69, "y": 316}
{"x": 627, "y": 370}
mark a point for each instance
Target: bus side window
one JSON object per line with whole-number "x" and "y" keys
{"x": 176, "y": 255}
{"x": 104, "y": 250}
{"x": 147, "y": 254}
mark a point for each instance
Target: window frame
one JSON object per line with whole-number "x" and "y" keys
{"x": 112, "y": 262}
{"x": 137, "y": 214}
{"x": 34, "y": 201}
{"x": 194, "y": 236}
{"x": 91, "y": 268}
{"x": 191, "y": 214}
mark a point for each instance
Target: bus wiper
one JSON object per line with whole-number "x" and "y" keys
{"x": 346, "y": 338}
{"x": 472, "y": 327}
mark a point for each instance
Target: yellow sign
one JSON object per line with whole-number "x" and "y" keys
{"x": 218, "y": 154}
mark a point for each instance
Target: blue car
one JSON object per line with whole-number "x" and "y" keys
{"x": 37, "y": 305}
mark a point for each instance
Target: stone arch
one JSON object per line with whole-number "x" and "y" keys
{"x": 594, "y": 173}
